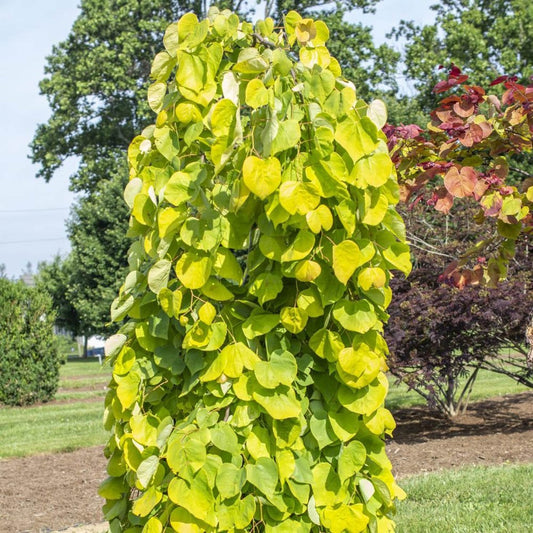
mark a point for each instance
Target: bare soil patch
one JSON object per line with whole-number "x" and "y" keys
{"x": 51, "y": 492}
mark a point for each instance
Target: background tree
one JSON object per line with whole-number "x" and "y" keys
{"x": 440, "y": 336}
{"x": 96, "y": 83}
{"x": 485, "y": 38}
{"x": 54, "y": 277}
{"x": 97, "y": 230}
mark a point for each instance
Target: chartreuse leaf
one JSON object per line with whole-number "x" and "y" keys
{"x": 263, "y": 474}
{"x": 286, "y": 465}
{"x": 179, "y": 189}
{"x": 261, "y": 176}
{"x": 193, "y": 269}
{"x": 300, "y": 248}
{"x": 371, "y": 277}
{"x": 185, "y": 453}
{"x": 288, "y": 135}
{"x": 187, "y": 112}
{"x": 366, "y": 400}
{"x": 127, "y": 389}
{"x": 377, "y": 113}
{"x": 309, "y": 301}
{"x": 266, "y": 287}
{"x": 229, "y": 480}
{"x": 319, "y": 218}
{"x": 259, "y": 323}
{"x": 133, "y": 188}
{"x": 381, "y": 421}
{"x": 280, "y": 369}
{"x": 226, "y": 266}
{"x": 158, "y": 275}
{"x": 184, "y": 522}
{"x": 293, "y": 319}
{"x": 344, "y": 424}
{"x": 345, "y": 518}
{"x": 398, "y": 256}
{"x": 307, "y": 270}
{"x": 374, "y": 208}
{"x": 298, "y": 197}
{"x": 124, "y": 361}
{"x": 346, "y": 258}
{"x": 197, "y": 498}
{"x": 356, "y": 316}
{"x": 357, "y": 137}
{"x": 279, "y": 403}
{"x": 169, "y": 220}
{"x": 112, "y": 488}
{"x": 216, "y": 290}
{"x": 327, "y": 489}
{"x": 223, "y": 117}
{"x": 326, "y": 344}
{"x": 207, "y": 313}
{"x": 351, "y": 460}
{"x": 258, "y": 443}
{"x": 156, "y": 93}
{"x": 153, "y": 525}
{"x": 358, "y": 366}
{"x": 256, "y": 94}
{"x": 146, "y": 470}
{"x": 272, "y": 247}
{"x": 372, "y": 170}
{"x": 225, "y": 439}
{"x": 238, "y": 356}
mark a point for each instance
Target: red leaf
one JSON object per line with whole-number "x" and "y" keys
{"x": 443, "y": 200}
{"x": 480, "y": 189}
{"x": 460, "y": 183}
{"x": 464, "y": 108}
{"x": 473, "y": 134}
{"x": 499, "y": 80}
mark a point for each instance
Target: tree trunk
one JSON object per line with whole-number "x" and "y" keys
{"x": 85, "y": 344}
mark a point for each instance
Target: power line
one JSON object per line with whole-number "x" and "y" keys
{"x": 35, "y": 240}
{"x": 33, "y": 210}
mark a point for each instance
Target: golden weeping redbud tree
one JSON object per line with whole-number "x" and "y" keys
{"x": 249, "y": 374}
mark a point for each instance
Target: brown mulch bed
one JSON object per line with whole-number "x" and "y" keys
{"x": 43, "y": 493}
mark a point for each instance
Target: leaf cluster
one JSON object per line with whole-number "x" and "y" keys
{"x": 466, "y": 153}
{"x": 248, "y": 375}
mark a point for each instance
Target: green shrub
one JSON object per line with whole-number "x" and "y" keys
{"x": 29, "y": 358}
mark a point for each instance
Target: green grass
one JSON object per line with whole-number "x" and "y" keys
{"x": 50, "y": 428}
{"x": 90, "y": 367}
{"x": 95, "y": 381}
{"x": 56, "y": 427}
{"x": 470, "y": 500}
{"x": 487, "y": 385}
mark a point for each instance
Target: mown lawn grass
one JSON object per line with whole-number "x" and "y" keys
{"x": 54, "y": 427}
{"x": 50, "y": 428}
{"x": 469, "y": 500}
{"x": 83, "y": 367}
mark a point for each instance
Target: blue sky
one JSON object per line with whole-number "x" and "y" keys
{"x": 32, "y": 212}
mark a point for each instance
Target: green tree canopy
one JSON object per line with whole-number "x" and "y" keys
{"x": 485, "y": 38}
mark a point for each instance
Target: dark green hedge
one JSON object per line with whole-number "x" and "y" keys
{"x": 29, "y": 358}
